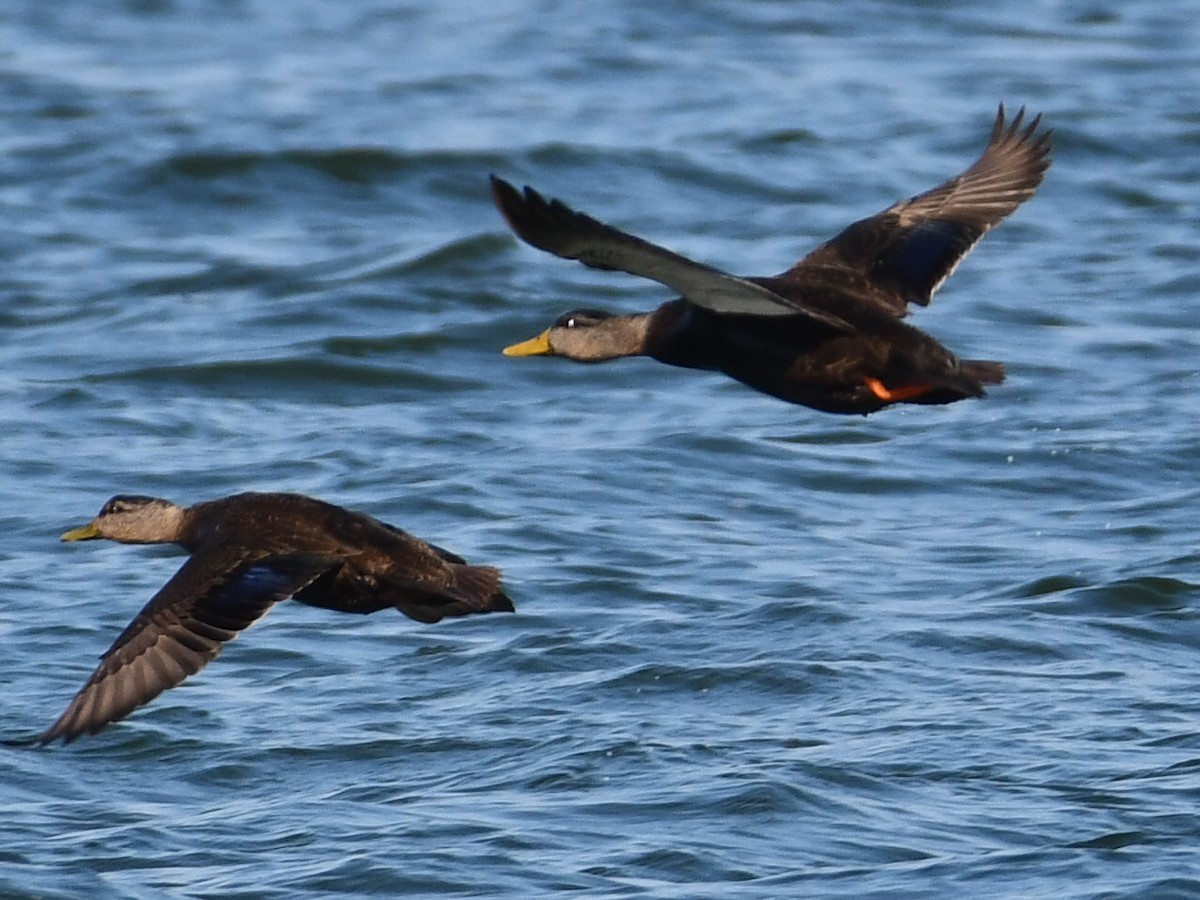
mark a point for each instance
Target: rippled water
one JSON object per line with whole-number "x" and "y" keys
{"x": 759, "y": 651}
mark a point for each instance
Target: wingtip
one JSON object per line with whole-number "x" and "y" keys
{"x": 501, "y": 190}
{"x": 1017, "y": 128}
{"x": 1005, "y": 128}
{"x": 507, "y": 200}
{"x": 1015, "y": 124}
{"x": 513, "y": 202}
{"x": 66, "y": 729}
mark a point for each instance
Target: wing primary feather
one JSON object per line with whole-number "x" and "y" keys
{"x": 211, "y": 599}
{"x": 553, "y": 226}
{"x": 906, "y": 252}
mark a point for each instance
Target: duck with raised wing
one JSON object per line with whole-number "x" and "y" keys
{"x": 827, "y": 333}
{"x": 248, "y": 552}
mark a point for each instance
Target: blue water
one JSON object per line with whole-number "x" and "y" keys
{"x": 759, "y": 651}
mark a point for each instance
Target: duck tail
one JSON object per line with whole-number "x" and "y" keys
{"x": 479, "y": 587}
{"x": 983, "y": 371}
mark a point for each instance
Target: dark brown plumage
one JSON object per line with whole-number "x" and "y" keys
{"x": 827, "y": 333}
{"x": 248, "y": 552}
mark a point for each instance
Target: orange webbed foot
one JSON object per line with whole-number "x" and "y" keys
{"x": 896, "y": 395}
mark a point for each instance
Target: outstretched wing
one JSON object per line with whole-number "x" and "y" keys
{"x": 553, "y": 226}
{"x": 214, "y": 596}
{"x": 909, "y": 249}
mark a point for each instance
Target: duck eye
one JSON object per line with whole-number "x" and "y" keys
{"x": 580, "y": 318}
{"x": 569, "y": 320}
{"x": 123, "y": 504}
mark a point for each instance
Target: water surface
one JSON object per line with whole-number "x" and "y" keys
{"x": 760, "y": 651}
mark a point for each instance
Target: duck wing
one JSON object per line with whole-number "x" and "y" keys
{"x": 553, "y": 226}
{"x": 215, "y": 595}
{"x": 905, "y": 252}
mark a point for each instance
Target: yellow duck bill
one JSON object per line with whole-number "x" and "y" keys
{"x": 86, "y": 532}
{"x": 537, "y": 346}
